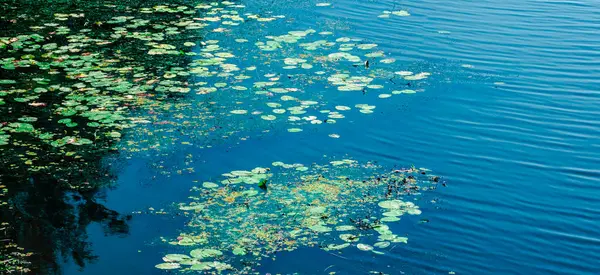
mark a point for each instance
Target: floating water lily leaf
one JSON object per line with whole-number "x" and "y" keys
{"x": 209, "y": 185}
{"x": 364, "y": 247}
{"x": 7, "y": 81}
{"x": 349, "y": 237}
{"x": 393, "y": 213}
{"x": 342, "y": 108}
{"x": 201, "y": 266}
{"x": 186, "y": 241}
{"x": 391, "y": 204}
{"x": 345, "y": 228}
{"x": 390, "y": 219}
{"x": 268, "y": 117}
{"x": 175, "y": 257}
{"x": 239, "y": 112}
{"x": 190, "y": 261}
{"x": 315, "y": 209}
{"x": 413, "y": 211}
{"x": 320, "y": 228}
{"x": 191, "y": 207}
{"x": 21, "y": 127}
{"x": 418, "y": 76}
{"x": 239, "y": 251}
{"x": 168, "y": 266}
{"x": 382, "y": 244}
{"x": 400, "y": 240}
{"x": 45, "y": 136}
{"x": 205, "y": 253}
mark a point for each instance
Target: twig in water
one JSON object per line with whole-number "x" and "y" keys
{"x": 338, "y": 256}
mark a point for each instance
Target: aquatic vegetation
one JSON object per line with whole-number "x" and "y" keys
{"x": 77, "y": 84}
{"x": 79, "y": 80}
{"x": 278, "y": 69}
{"x": 335, "y": 206}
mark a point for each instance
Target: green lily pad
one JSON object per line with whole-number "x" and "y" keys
{"x": 176, "y": 257}
{"x": 205, "y": 253}
{"x": 345, "y": 228}
{"x": 390, "y": 219}
{"x": 201, "y": 266}
{"x": 364, "y": 247}
{"x": 239, "y": 251}
{"x": 349, "y": 237}
{"x": 320, "y": 228}
{"x": 21, "y": 127}
{"x": 168, "y": 266}
{"x": 7, "y": 81}
{"x": 210, "y": 185}
{"x": 391, "y": 204}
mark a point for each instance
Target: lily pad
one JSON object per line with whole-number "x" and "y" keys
{"x": 239, "y": 251}
{"x": 176, "y": 257}
{"x": 168, "y": 266}
{"x": 205, "y": 253}
{"x": 364, "y": 247}
{"x": 349, "y": 237}
{"x": 320, "y": 228}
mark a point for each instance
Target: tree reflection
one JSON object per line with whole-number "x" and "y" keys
{"x": 47, "y": 216}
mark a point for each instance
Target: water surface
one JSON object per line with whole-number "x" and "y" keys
{"x": 508, "y": 118}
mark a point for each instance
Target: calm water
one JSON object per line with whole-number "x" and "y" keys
{"x": 522, "y": 158}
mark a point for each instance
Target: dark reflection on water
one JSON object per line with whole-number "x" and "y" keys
{"x": 63, "y": 110}
{"x": 46, "y": 216}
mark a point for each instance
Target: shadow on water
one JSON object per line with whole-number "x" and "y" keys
{"x": 70, "y": 82}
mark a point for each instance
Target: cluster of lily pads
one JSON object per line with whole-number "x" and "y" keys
{"x": 293, "y": 74}
{"x": 253, "y": 214}
{"x": 72, "y": 82}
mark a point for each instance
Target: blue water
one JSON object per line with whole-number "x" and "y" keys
{"x": 521, "y": 157}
